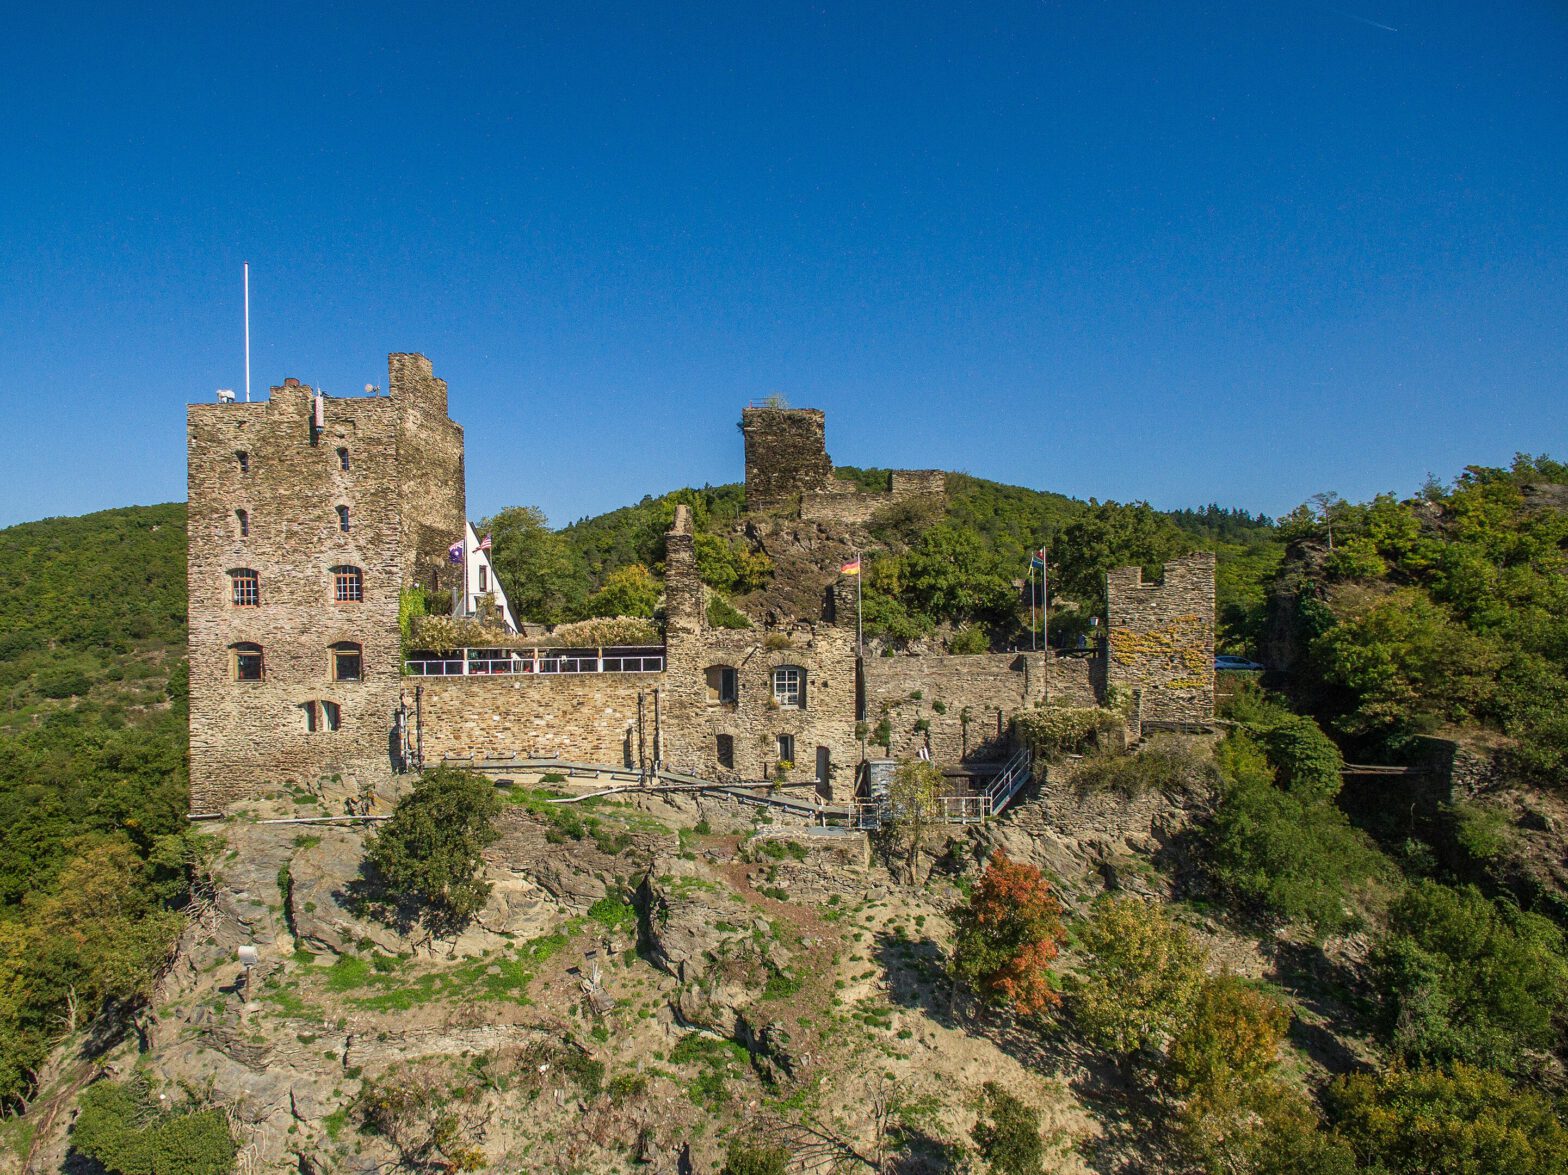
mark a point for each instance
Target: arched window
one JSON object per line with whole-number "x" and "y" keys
{"x": 348, "y": 585}
{"x": 243, "y": 459}
{"x": 789, "y": 686}
{"x": 246, "y": 661}
{"x": 347, "y": 661}
{"x": 244, "y": 587}
{"x": 343, "y": 460}
{"x": 721, "y": 685}
{"x": 343, "y": 519}
{"x": 243, "y": 518}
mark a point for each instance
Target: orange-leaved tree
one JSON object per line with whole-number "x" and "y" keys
{"x": 1008, "y": 935}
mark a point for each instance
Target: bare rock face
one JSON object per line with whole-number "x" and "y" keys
{"x": 322, "y": 876}
{"x": 721, "y": 949}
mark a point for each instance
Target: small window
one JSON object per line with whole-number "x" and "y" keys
{"x": 243, "y": 458}
{"x": 309, "y": 710}
{"x": 347, "y": 661}
{"x": 484, "y": 579}
{"x": 343, "y": 519}
{"x": 243, "y": 518}
{"x": 789, "y": 686}
{"x": 348, "y": 585}
{"x": 721, "y": 685}
{"x": 331, "y": 716}
{"x": 245, "y": 587}
{"x": 343, "y": 460}
{"x": 786, "y": 748}
{"x": 247, "y": 662}
{"x": 726, "y": 750}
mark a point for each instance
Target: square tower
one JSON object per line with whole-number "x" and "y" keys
{"x": 308, "y": 515}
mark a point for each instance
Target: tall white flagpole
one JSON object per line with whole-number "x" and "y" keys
{"x": 247, "y": 332}
{"x": 1031, "y": 601}
{"x": 1045, "y": 600}
{"x": 860, "y": 574}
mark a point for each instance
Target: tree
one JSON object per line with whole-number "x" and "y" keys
{"x": 1467, "y": 979}
{"x": 430, "y": 1112}
{"x": 1007, "y": 1133}
{"x": 122, "y": 1128}
{"x": 1007, "y": 936}
{"x": 1111, "y": 535}
{"x": 913, "y": 813}
{"x": 754, "y": 1158}
{"x": 430, "y": 848}
{"x": 1140, "y": 976}
{"x": 627, "y": 591}
{"x": 1459, "y": 1120}
{"x": 544, "y": 581}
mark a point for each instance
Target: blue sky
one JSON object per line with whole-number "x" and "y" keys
{"x": 1234, "y": 252}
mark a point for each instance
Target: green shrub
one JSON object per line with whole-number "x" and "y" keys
{"x": 120, "y": 1127}
{"x": 723, "y": 614}
{"x": 754, "y": 1158}
{"x": 1007, "y": 1133}
{"x": 1466, "y": 979}
{"x": 1165, "y": 764}
{"x": 430, "y": 848}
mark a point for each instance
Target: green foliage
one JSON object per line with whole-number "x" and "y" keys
{"x": 1112, "y": 535}
{"x": 968, "y": 641}
{"x": 729, "y": 565}
{"x": 723, "y": 614}
{"x": 427, "y": 1111}
{"x": 544, "y": 579}
{"x": 913, "y": 812}
{"x": 122, "y": 1128}
{"x": 1450, "y": 609}
{"x": 1467, "y": 979}
{"x": 412, "y": 604}
{"x": 1164, "y": 764}
{"x": 628, "y": 591}
{"x": 1140, "y": 976}
{"x": 1007, "y": 1133}
{"x": 1282, "y": 852}
{"x": 1050, "y": 731}
{"x": 1458, "y": 1120}
{"x": 430, "y": 849}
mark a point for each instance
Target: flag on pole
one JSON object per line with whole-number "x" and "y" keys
{"x": 850, "y": 568}
{"x": 484, "y": 544}
{"x": 455, "y": 552}
{"x": 1037, "y": 559}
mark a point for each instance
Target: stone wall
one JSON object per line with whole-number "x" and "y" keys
{"x": 1161, "y": 638}
{"x": 580, "y": 717}
{"x": 786, "y": 455}
{"x": 430, "y": 472}
{"x": 959, "y": 707}
{"x": 247, "y": 737}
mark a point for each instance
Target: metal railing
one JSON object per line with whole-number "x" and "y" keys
{"x": 511, "y": 663}
{"x": 971, "y": 809}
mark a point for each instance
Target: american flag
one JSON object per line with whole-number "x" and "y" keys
{"x": 484, "y": 544}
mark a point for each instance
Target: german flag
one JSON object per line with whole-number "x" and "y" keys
{"x": 850, "y": 568}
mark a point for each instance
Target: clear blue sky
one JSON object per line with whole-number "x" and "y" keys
{"x": 1232, "y": 251}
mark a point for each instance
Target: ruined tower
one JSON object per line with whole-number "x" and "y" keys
{"x": 308, "y": 515}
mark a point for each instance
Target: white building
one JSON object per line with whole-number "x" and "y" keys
{"x": 481, "y": 586}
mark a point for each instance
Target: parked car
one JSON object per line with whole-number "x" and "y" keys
{"x": 1236, "y": 663}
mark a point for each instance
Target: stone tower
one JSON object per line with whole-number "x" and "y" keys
{"x": 307, "y": 516}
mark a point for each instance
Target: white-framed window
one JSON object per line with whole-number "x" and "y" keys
{"x": 484, "y": 578}
{"x": 348, "y": 585}
{"x": 789, "y": 686}
{"x": 244, "y": 587}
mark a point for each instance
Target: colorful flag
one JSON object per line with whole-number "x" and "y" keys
{"x": 850, "y": 568}
{"x": 455, "y": 552}
{"x": 485, "y": 544}
{"x": 1037, "y": 559}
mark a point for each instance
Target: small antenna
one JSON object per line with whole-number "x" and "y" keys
{"x": 247, "y": 332}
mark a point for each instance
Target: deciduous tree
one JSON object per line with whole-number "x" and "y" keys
{"x": 1009, "y": 933}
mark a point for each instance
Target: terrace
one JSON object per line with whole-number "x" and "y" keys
{"x": 515, "y": 662}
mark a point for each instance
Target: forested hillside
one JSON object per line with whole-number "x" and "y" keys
{"x": 92, "y": 768}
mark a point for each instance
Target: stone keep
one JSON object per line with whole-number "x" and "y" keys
{"x": 292, "y": 465}
{"x": 1161, "y": 639}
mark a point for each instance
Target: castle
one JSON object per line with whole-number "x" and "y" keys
{"x": 309, "y": 515}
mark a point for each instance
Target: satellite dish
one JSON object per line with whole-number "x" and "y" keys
{"x": 371, "y": 389}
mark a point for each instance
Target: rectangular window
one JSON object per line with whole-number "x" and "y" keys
{"x": 247, "y": 665}
{"x": 484, "y": 579}
{"x": 331, "y": 717}
{"x": 346, "y": 664}
{"x": 247, "y": 589}
{"x": 786, "y": 748}
{"x": 348, "y": 585}
{"x": 721, "y": 685}
{"x": 343, "y": 460}
{"x": 726, "y": 750}
{"x": 788, "y": 686}
{"x": 244, "y": 521}
{"x": 244, "y": 461}
{"x": 310, "y": 716}
{"x": 343, "y": 519}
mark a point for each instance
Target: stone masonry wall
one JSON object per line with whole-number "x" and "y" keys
{"x": 1161, "y": 638}
{"x": 581, "y": 717}
{"x": 404, "y": 459}
{"x": 964, "y": 701}
{"x": 246, "y": 736}
{"x": 786, "y": 455}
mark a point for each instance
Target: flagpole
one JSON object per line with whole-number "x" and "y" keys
{"x": 1045, "y": 601}
{"x": 1031, "y": 604}
{"x": 860, "y": 574}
